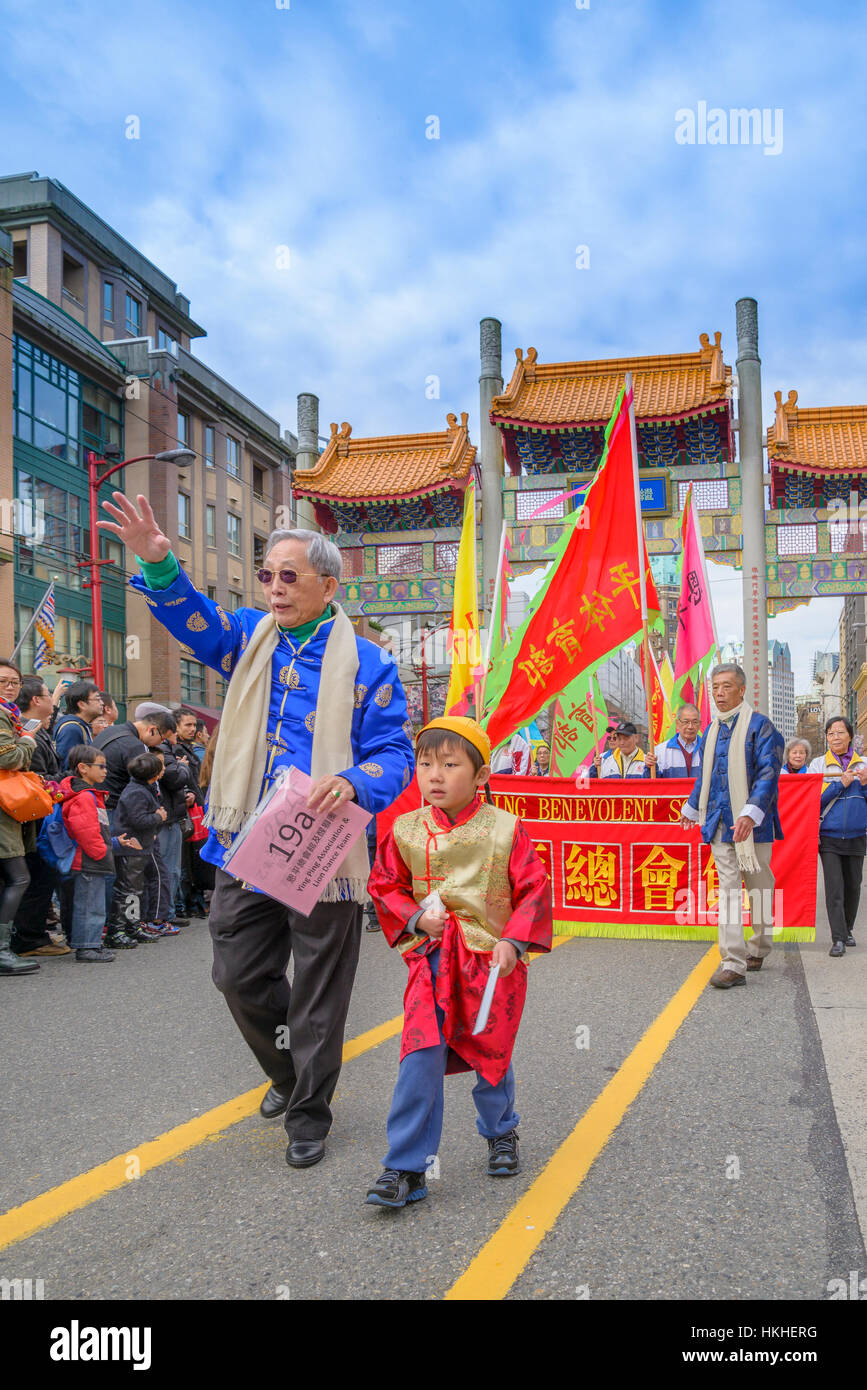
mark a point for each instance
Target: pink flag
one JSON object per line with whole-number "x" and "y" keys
{"x": 695, "y": 625}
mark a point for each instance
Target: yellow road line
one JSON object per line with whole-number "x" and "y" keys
{"x": 505, "y": 1255}
{"x": 23, "y": 1221}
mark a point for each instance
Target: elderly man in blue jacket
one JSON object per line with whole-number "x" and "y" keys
{"x": 734, "y": 801}
{"x": 306, "y": 691}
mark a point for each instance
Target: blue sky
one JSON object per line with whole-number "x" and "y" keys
{"x": 305, "y": 127}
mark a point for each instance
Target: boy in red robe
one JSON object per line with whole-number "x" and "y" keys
{"x": 496, "y": 900}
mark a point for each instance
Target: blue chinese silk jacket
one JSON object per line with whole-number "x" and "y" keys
{"x": 382, "y": 753}
{"x": 764, "y": 758}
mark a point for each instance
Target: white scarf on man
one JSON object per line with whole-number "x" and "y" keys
{"x": 737, "y": 777}
{"x": 242, "y": 749}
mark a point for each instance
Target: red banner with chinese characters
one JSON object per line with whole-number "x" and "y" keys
{"x": 620, "y": 865}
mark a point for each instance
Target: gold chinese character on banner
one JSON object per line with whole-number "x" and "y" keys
{"x": 626, "y": 579}
{"x": 659, "y": 874}
{"x": 564, "y": 637}
{"x": 591, "y": 875}
{"x": 711, "y": 883}
{"x": 598, "y": 607}
{"x": 538, "y": 665}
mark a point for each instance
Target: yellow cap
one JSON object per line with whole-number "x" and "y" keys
{"x": 466, "y": 728}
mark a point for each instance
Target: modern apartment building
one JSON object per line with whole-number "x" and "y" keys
{"x": 101, "y": 359}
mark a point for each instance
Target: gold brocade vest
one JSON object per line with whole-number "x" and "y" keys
{"x": 467, "y": 864}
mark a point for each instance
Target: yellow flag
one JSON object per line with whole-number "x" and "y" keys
{"x": 464, "y": 643}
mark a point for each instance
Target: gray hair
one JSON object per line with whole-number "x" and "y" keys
{"x": 687, "y": 704}
{"x": 323, "y": 555}
{"x": 726, "y": 668}
{"x": 793, "y": 743}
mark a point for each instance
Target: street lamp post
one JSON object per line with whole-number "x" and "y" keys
{"x": 95, "y": 480}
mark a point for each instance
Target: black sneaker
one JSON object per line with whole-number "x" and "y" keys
{"x": 503, "y": 1155}
{"x": 180, "y": 921}
{"x": 394, "y": 1189}
{"x": 139, "y": 934}
{"x": 94, "y": 953}
{"x": 119, "y": 941}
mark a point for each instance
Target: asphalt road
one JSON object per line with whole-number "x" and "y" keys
{"x": 727, "y": 1177}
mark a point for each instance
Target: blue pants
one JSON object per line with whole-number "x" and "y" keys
{"x": 415, "y": 1120}
{"x": 88, "y": 911}
{"x": 171, "y": 840}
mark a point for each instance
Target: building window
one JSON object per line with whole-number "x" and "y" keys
{"x": 527, "y": 502}
{"x": 258, "y": 552}
{"x": 797, "y": 540}
{"x": 210, "y": 525}
{"x": 233, "y": 533}
{"x": 73, "y": 279}
{"x": 192, "y": 682}
{"x": 183, "y": 428}
{"x": 101, "y": 417}
{"x": 233, "y": 457}
{"x": 107, "y": 301}
{"x": 258, "y": 483}
{"x": 446, "y": 554}
{"x": 209, "y": 446}
{"x": 212, "y": 592}
{"x": 709, "y": 495}
{"x": 185, "y": 530}
{"x": 57, "y": 409}
{"x": 166, "y": 342}
{"x": 399, "y": 559}
{"x": 72, "y": 638}
{"x": 19, "y": 260}
{"x": 115, "y": 666}
{"x": 55, "y": 535}
{"x": 233, "y": 601}
{"x": 133, "y": 317}
{"x": 353, "y": 561}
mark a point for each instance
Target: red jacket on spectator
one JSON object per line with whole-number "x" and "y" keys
{"x": 86, "y": 821}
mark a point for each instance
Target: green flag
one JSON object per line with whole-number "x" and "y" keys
{"x": 579, "y": 725}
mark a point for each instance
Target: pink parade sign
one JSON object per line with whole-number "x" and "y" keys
{"x": 291, "y": 852}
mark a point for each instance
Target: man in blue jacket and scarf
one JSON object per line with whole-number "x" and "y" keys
{"x": 734, "y": 801}
{"x": 304, "y": 691}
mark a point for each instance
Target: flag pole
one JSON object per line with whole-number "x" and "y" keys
{"x": 497, "y": 590}
{"x": 37, "y": 610}
{"x": 643, "y": 578}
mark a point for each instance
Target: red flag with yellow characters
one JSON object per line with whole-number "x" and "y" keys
{"x": 591, "y": 603}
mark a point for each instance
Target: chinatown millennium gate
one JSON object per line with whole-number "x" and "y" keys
{"x": 393, "y": 503}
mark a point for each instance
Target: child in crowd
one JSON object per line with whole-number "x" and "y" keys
{"x": 459, "y": 889}
{"x": 86, "y": 822}
{"x": 138, "y": 814}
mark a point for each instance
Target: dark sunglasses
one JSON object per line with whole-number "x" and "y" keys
{"x": 285, "y": 576}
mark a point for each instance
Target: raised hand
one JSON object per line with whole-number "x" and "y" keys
{"x": 136, "y": 526}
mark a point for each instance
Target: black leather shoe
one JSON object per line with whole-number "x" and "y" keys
{"x": 274, "y": 1103}
{"x": 180, "y": 921}
{"x": 303, "y": 1153}
{"x": 850, "y": 940}
{"x": 838, "y": 949}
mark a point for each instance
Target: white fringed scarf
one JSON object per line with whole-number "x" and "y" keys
{"x": 242, "y": 749}
{"x": 739, "y": 791}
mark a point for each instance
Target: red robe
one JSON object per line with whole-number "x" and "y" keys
{"x": 463, "y": 973}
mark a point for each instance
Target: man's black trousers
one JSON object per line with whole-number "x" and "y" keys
{"x": 253, "y": 938}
